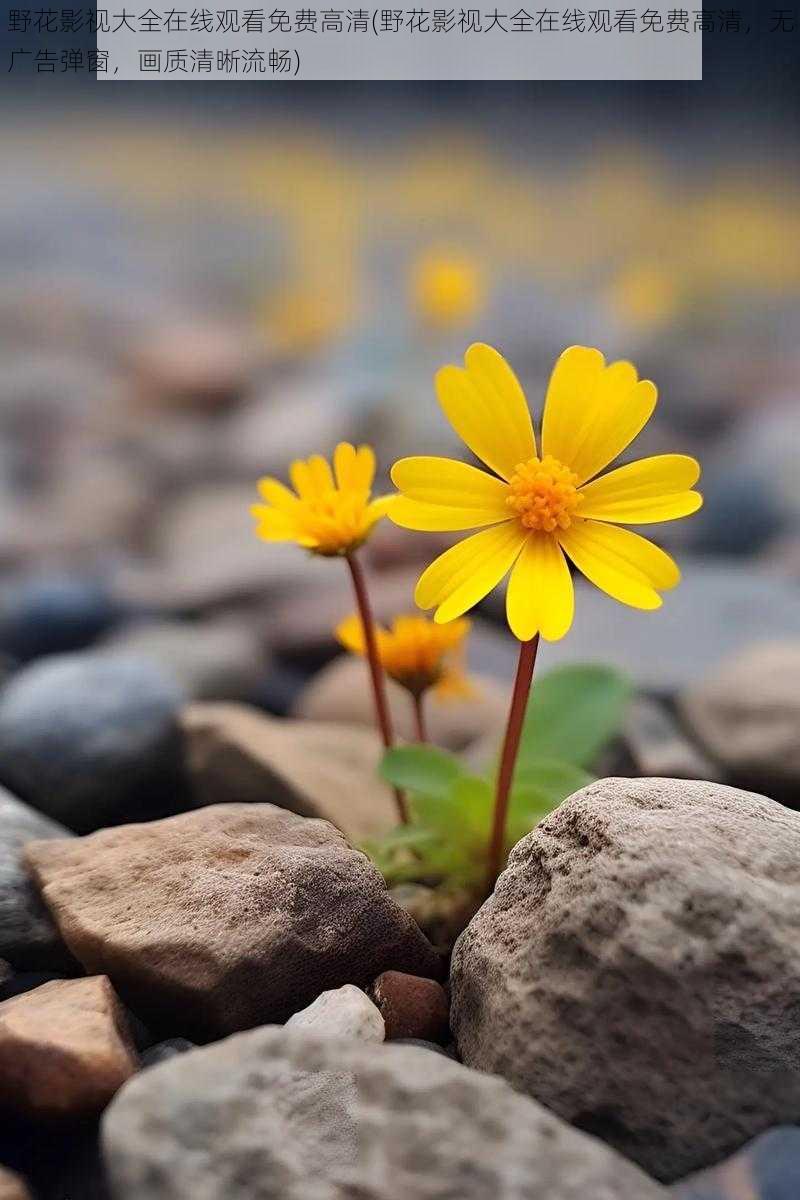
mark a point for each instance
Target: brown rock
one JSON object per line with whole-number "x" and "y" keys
{"x": 65, "y": 1049}
{"x": 411, "y": 1007}
{"x": 197, "y": 365}
{"x": 12, "y": 1187}
{"x": 317, "y": 769}
{"x": 637, "y": 969}
{"x": 341, "y": 692}
{"x": 224, "y": 918}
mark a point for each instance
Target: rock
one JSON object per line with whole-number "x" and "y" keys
{"x": 197, "y": 365}
{"x": 766, "y": 1169}
{"x": 64, "y": 1049}
{"x": 28, "y": 937}
{"x": 162, "y": 1051}
{"x": 411, "y": 1007}
{"x": 273, "y": 1115}
{"x": 716, "y": 609}
{"x": 218, "y": 659}
{"x": 52, "y": 614}
{"x": 747, "y": 714}
{"x": 6, "y": 972}
{"x": 346, "y": 1012}
{"x": 658, "y": 746}
{"x": 638, "y": 966}
{"x": 741, "y": 514}
{"x": 341, "y": 692}
{"x": 14, "y": 984}
{"x": 432, "y": 1046}
{"x": 219, "y": 919}
{"x": 92, "y": 740}
{"x": 12, "y": 1187}
{"x": 317, "y": 769}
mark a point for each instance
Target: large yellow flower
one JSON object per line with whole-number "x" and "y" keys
{"x": 415, "y": 652}
{"x": 540, "y": 508}
{"x": 327, "y": 515}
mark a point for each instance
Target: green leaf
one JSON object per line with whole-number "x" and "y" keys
{"x": 573, "y": 712}
{"x": 421, "y": 769}
{"x": 552, "y": 778}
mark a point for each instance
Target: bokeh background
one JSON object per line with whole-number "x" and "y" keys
{"x": 202, "y": 282}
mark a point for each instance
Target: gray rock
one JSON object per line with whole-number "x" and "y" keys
{"x": 52, "y": 614}
{"x": 220, "y": 919}
{"x": 28, "y": 938}
{"x": 658, "y": 746}
{"x": 91, "y": 740}
{"x": 747, "y": 714}
{"x": 274, "y": 1116}
{"x": 163, "y": 1051}
{"x": 637, "y": 969}
{"x": 344, "y": 1012}
{"x": 768, "y": 1168}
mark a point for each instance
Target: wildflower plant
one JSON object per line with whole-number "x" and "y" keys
{"x": 535, "y": 511}
{"x": 331, "y": 513}
{"x": 417, "y": 654}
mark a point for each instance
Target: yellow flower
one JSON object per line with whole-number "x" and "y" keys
{"x": 447, "y": 289}
{"x": 415, "y": 652}
{"x": 327, "y": 515}
{"x": 538, "y": 509}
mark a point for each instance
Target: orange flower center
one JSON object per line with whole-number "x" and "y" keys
{"x": 543, "y": 494}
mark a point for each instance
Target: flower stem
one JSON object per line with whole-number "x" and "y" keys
{"x": 382, "y": 713}
{"x": 508, "y": 760}
{"x": 419, "y": 716}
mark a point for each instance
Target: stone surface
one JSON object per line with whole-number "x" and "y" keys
{"x": 197, "y": 365}
{"x": 91, "y": 740}
{"x": 52, "y": 614}
{"x": 747, "y": 714}
{"x": 28, "y": 937}
{"x": 218, "y": 659}
{"x": 411, "y": 1007}
{"x": 223, "y": 918}
{"x": 658, "y": 746}
{"x": 341, "y": 692}
{"x": 64, "y": 1049}
{"x": 271, "y": 1115}
{"x": 238, "y": 755}
{"x": 12, "y": 1187}
{"x": 766, "y": 1169}
{"x": 345, "y": 1012}
{"x": 638, "y": 969}
{"x": 162, "y": 1051}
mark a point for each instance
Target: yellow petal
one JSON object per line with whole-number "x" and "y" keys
{"x": 540, "y": 597}
{"x": 344, "y": 465}
{"x": 620, "y": 562}
{"x": 455, "y": 484}
{"x": 364, "y": 471}
{"x": 468, "y": 571}
{"x": 438, "y": 518}
{"x": 277, "y": 494}
{"x": 320, "y": 475}
{"x": 486, "y": 406}
{"x": 652, "y": 489}
{"x": 272, "y": 525}
{"x": 593, "y": 412}
{"x": 350, "y": 633}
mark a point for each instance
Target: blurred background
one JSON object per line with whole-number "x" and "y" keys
{"x": 200, "y": 283}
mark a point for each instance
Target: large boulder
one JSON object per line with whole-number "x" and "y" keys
{"x": 91, "y": 740}
{"x": 638, "y": 969}
{"x": 223, "y": 918}
{"x": 270, "y": 1115}
{"x": 65, "y": 1049}
{"x": 324, "y": 769}
{"x": 28, "y": 938}
{"x": 747, "y": 715}
{"x": 12, "y": 1187}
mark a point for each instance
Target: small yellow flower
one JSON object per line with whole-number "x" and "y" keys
{"x": 327, "y": 515}
{"x": 447, "y": 289}
{"x": 415, "y": 652}
{"x": 539, "y": 509}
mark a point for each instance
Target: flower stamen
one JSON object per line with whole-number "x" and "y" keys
{"x": 544, "y": 494}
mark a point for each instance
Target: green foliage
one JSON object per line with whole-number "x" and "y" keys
{"x": 573, "y": 713}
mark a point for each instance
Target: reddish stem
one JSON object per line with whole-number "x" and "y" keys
{"x": 508, "y": 760}
{"x": 419, "y": 716}
{"x": 382, "y": 714}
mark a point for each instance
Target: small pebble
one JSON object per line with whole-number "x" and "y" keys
{"x": 411, "y": 1007}
{"x": 345, "y": 1012}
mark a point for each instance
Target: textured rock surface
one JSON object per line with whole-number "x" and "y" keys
{"x": 64, "y": 1049}
{"x": 411, "y": 1007}
{"x": 91, "y": 740}
{"x": 638, "y": 969}
{"x": 747, "y": 714}
{"x": 28, "y": 937}
{"x": 274, "y": 1116}
{"x": 12, "y": 1187}
{"x": 219, "y": 919}
{"x": 317, "y": 769}
{"x": 766, "y": 1169}
{"x": 345, "y": 1012}
{"x": 340, "y": 692}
